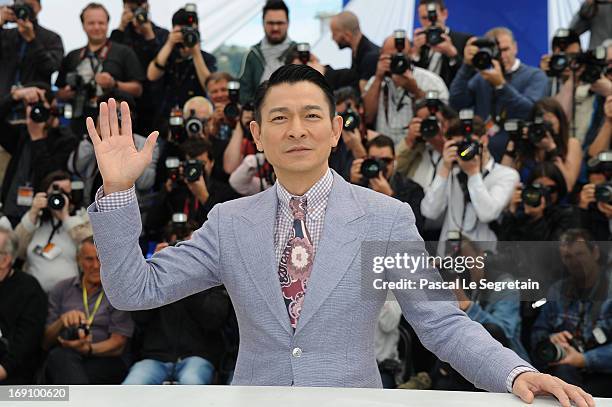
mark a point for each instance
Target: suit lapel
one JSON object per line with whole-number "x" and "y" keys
{"x": 254, "y": 231}
{"x": 343, "y": 231}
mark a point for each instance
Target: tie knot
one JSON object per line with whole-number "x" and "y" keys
{"x": 298, "y": 208}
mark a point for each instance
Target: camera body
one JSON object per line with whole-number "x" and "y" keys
{"x": 399, "y": 62}
{"x": 433, "y": 34}
{"x": 141, "y": 15}
{"x": 56, "y": 199}
{"x": 487, "y": 52}
{"x": 71, "y": 333}
{"x": 191, "y": 169}
{"x": 601, "y": 164}
{"x": 558, "y": 63}
{"x": 603, "y": 193}
{"x": 594, "y": 62}
{"x": 531, "y": 195}
{"x": 191, "y": 36}
{"x": 193, "y": 125}
{"x": 350, "y": 119}
{"x": 467, "y": 148}
{"x": 232, "y": 109}
{"x": 303, "y": 50}
{"x": 371, "y": 167}
{"x": 514, "y": 128}
{"x": 537, "y": 130}
{"x": 39, "y": 113}
{"x": 430, "y": 126}
{"x": 22, "y": 11}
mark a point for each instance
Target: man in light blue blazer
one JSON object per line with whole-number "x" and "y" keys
{"x": 290, "y": 257}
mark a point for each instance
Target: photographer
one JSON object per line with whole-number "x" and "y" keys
{"x": 89, "y": 332}
{"x": 354, "y": 132}
{"x": 602, "y": 141}
{"x": 37, "y": 148}
{"x": 221, "y": 125}
{"x": 577, "y": 82}
{"x": 470, "y": 185}
{"x": 48, "y": 234}
{"x": 535, "y": 212}
{"x": 23, "y": 308}
{"x": 421, "y": 156}
{"x": 571, "y": 336}
{"x": 189, "y": 187}
{"x": 182, "y": 341}
{"x": 82, "y": 161}
{"x": 497, "y": 311}
{"x": 436, "y": 47}
{"x": 498, "y": 87}
{"x": 594, "y": 208}
{"x": 596, "y": 17}
{"x": 29, "y": 52}
{"x": 546, "y": 138}
{"x": 346, "y": 33}
{"x": 181, "y": 65}
{"x": 145, "y": 38}
{"x": 377, "y": 172}
{"x": 391, "y": 91}
{"x": 100, "y": 66}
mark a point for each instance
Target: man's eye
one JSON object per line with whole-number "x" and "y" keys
{"x": 313, "y": 116}
{"x": 278, "y": 118}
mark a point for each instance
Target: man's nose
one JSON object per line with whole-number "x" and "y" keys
{"x": 296, "y": 129}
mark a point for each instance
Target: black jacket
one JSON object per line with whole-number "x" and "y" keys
{"x": 47, "y": 155}
{"x": 595, "y": 222}
{"x": 449, "y": 68}
{"x": 42, "y": 57}
{"x": 556, "y": 220}
{"x": 190, "y": 327}
{"x": 23, "y": 311}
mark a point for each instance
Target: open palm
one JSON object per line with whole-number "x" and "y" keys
{"x": 118, "y": 160}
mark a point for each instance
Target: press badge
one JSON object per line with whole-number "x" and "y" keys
{"x": 25, "y": 196}
{"x": 599, "y": 335}
{"x": 49, "y": 252}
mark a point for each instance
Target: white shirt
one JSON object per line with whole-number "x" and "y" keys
{"x": 489, "y": 196}
{"x": 393, "y": 124}
{"x": 428, "y": 167}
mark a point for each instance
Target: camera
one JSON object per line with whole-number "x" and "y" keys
{"x": 22, "y": 11}
{"x": 141, "y": 15}
{"x": 71, "y": 333}
{"x": 430, "y": 126}
{"x": 176, "y": 126}
{"x": 303, "y": 50}
{"x": 537, "y": 130}
{"x": 39, "y": 113}
{"x": 601, "y": 164}
{"x": 74, "y": 80}
{"x": 514, "y": 128}
{"x": 193, "y": 125}
{"x": 191, "y": 36}
{"x": 487, "y": 52}
{"x": 399, "y": 62}
{"x": 370, "y": 167}
{"x": 192, "y": 169}
{"x": 56, "y": 199}
{"x": 594, "y": 62}
{"x": 467, "y": 148}
{"x": 350, "y": 119}
{"x": 603, "y": 193}
{"x": 232, "y": 110}
{"x": 532, "y": 194}
{"x": 558, "y": 63}
{"x": 433, "y": 34}
{"x": 549, "y": 352}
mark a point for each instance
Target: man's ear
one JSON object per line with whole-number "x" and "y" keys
{"x": 256, "y": 132}
{"x": 336, "y": 130}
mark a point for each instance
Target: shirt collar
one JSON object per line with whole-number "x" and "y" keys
{"x": 316, "y": 197}
{"x": 516, "y": 65}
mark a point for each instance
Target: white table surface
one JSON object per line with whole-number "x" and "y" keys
{"x": 230, "y": 396}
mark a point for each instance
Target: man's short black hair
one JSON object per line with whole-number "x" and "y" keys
{"x": 196, "y": 146}
{"x": 183, "y": 17}
{"x": 347, "y": 93}
{"x": 550, "y": 170}
{"x": 291, "y": 74}
{"x": 381, "y": 141}
{"x": 275, "y": 5}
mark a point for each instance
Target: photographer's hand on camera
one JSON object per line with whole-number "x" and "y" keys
{"x": 28, "y": 95}
{"x": 126, "y": 17}
{"x": 7, "y": 15}
{"x": 199, "y": 189}
{"x": 470, "y": 167}
{"x": 352, "y": 139}
{"x": 356, "y": 177}
{"x": 39, "y": 202}
{"x": 414, "y": 132}
{"x": 469, "y": 51}
{"x": 26, "y": 30}
{"x": 419, "y": 40}
{"x": 105, "y": 80}
{"x": 587, "y": 196}
{"x": 407, "y": 81}
{"x": 72, "y": 318}
{"x": 516, "y": 199}
{"x": 602, "y": 86}
{"x": 494, "y": 75}
{"x": 545, "y": 62}
{"x": 81, "y": 345}
{"x": 380, "y": 184}
{"x": 383, "y": 66}
{"x": 446, "y": 47}
{"x": 37, "y": 131}
{"x": 537, "y": 212}
{"x": 572, "y": 356}
{"x": 449, "y": 157}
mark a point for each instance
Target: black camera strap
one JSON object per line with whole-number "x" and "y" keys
{"x": 54, "y": 229}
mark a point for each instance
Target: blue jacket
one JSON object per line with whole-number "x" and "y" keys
{"x": 525, "y": 86}
{"x": 561, "y": 313}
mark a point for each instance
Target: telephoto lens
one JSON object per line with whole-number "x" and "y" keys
{"x": 549, "y": 352}
{"x": 56, "y": 200}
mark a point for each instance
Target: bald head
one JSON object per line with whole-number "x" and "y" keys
{"x": 388, "y": 46}
{"x": 347, "y": 21}
{"x": 345, "y": 30}
{"x": 202, "y": 108}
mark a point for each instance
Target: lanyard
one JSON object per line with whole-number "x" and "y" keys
{"x": 90, "y": 318}
{"x": 54, "y": 230}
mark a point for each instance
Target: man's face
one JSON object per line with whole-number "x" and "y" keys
{"x": 89, "y": 263}
{"x": 578, "y": 258}
{"x": 425, "y": 23}
{"x": 217, "y": 92}
{"x": 95, "y": 25}
{"x": 340, "y": 36}
{"x": 383, "y": 154}
{"x": 275, "y": 26}
{"x": 296, "y": 133}
{"x": 207, "y": 163}
{"x": 508, "y": 50}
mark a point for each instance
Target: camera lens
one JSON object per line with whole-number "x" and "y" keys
{"x": 194, "y": 126}
{"x": 56, "y": 200}
{"x": 536, "y": 132}
{"x": 399, "y": 64}
{"x": 467, "y": 150}
{"x": 370, "y": 167}
{"x": 39, "y": 113}
{"x": 532, "y": 195}
{"x": 350, "y": 120}
{"x": 231, "y": 111}
{"x": 140, "y": 14}
{"x": 190, "y": 37}
{"x": 483, "y": 59}
{"x": 429, "y": 128}
{"x": 558, "y": 64}
{"x": 192, "y": 170}
{"x": 603, "y": 193}
{"x": 548, "y": 352}
{"x": 434, "y": 36}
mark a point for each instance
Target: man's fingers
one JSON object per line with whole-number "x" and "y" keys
{"x": 589, "y": 399}
{"x": 559, "y": 392}
{"x": 105, "y": 131}
{"x": 112, "y": 117}
{"x": 522, "y": 390}
{"x": 150, "y": 144}
{"x": 126, "y": 120}
{"x": 93, "y": 133}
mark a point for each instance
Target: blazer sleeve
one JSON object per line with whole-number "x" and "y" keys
{"x": 441, "y": 326}
{"x": 133, "y": 283}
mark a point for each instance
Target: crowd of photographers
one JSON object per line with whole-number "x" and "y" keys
{"x": 482, "y": 146}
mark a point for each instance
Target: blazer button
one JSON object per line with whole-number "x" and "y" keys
{"x": 296, "y": 352}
